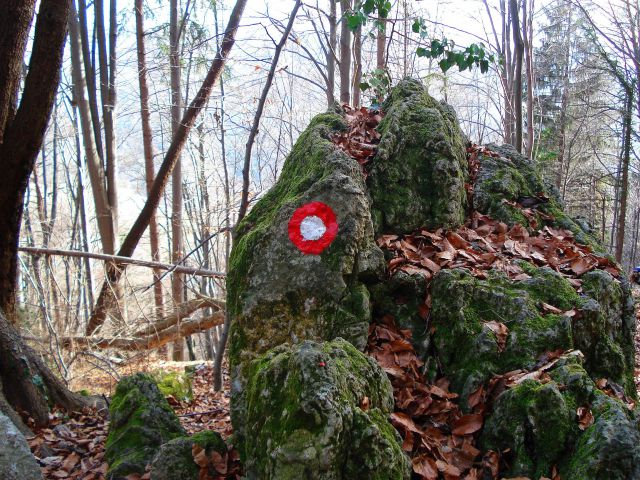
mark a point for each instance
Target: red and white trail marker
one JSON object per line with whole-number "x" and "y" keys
{"x": 313, "y": 227}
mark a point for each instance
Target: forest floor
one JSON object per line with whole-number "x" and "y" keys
{"x": 72, "y": 447}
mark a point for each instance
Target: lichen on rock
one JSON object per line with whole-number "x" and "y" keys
{"x": 140, "y": 421}
{"x": 319, "y": 411}
{"x": 418, "y": 174}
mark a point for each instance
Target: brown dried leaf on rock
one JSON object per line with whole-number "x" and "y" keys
{"x": 585, "y": 417}
{"x": 501, "y": 331}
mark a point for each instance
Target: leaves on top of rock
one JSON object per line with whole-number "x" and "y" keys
{"x": 361, "y": 138}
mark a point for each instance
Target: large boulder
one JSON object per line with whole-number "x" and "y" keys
{"x": 140, "y": 421}
{"x": 319, "y": 411}
{"x": 539, "y": 425}
{"x": 418, "y": 175}
{"x": 16, "y": 460}
{"x": 278, "y": 293}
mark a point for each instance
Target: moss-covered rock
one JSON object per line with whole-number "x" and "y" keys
{"x": 537, "y": 424}
{"x": 276, "y": 294}
{"x": 605, "y": 329}
{"x": 319, "y": 411}
{"x": 418, "y": 174}
{"x": 467, "y": 348}
{"x": 174, "y": 460}
{"x": 512, "y": 176}
{"x": 175, "y": 384}
{"x": 140, "y": 421}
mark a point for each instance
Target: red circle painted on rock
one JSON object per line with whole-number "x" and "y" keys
{"x": 309, "y": 210}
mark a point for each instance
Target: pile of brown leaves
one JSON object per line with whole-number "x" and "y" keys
{"x": 438, "y": 437}
{"x": 209, "y": 410}
{"x": 72, "y": 447}
{"x": 361, "y": 138}
{"x": 485, "y": 244}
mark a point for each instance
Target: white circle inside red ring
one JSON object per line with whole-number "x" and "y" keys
{"x": 313, "y": 227}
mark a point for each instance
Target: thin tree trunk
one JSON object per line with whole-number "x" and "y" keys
{"x": 345, "y": 53}
{"x": 517, "y": 84}
{"x": 96, "y": 172}
{"x": 331, "y": 54}
{"x": 114, "y": 273}
{"x": 246, "y": 170}
{"x": 624, "y": 186}
{"x": 357, "y": 66}
{"x": 527, "y": 35}
{"x": 177, "y": 286}
{"x": 147, "y": 141}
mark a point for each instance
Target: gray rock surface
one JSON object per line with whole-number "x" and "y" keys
{"x": 16, "y": 460}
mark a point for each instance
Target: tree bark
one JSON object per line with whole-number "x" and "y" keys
{"x": 28, "y": 385}
{"x": 255, "y": 126}
{"x": 147, "y": 141}
{"x": 345, "y": 53}
{"x": 22, "y": 129}
{"x": 177, "y": 285}
{"x": 94, "y": 164}
{"x": 517, "y": 83}
{"x": 624, "y": 186}
{"x": 130, "y": 242}
{"x": 152, "y": 341}
{"x": 357, "y": 66}
{"x": 331, "y": 54}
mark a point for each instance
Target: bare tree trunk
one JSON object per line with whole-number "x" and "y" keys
{"x": 624, "y": 186}
{"x": 517, "y": 84}
{"x": 331, "y": 54}
{"x": 26, "y": 382}
{"x": 246, "y": 170}
{"x": 177, "y": 286}
{"x": 96, "y": 171}
{"x": 527, "y": 35}
{"x": 114, "y": 273}
{"x": 147, "y": 140}
{"x": 107, "y": 90}
{"x": 345, "y": 53}
{"x": 22, "y": 127}
{"x": 357, "y": 66}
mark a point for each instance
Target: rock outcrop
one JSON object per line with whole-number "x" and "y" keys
{"x": 306, "y": 403}
{"x": 141, "y": 420}
{"x": 279, "y": 294}
{"x": 418, "y": 175}
{"x": 319, "y": 411}
{"x": 16, "y": 460}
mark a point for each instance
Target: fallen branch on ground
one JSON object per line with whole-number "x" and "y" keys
{"x": 188, "y": 326}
